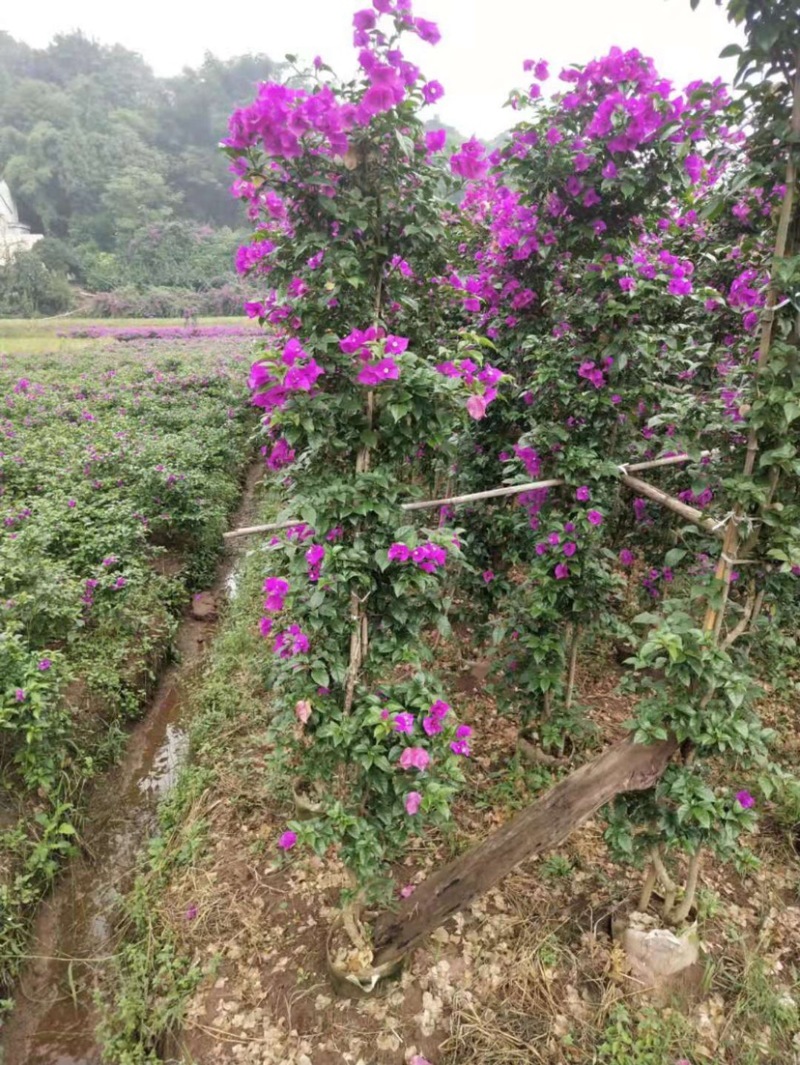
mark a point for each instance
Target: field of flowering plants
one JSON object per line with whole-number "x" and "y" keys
{"x": 120, "y": 465}
{"x": 494, "y": 758}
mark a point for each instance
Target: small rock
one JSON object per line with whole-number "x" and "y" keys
{"x": 204, "y": 607}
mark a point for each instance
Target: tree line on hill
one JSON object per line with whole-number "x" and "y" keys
{"x": 119, "y": 169}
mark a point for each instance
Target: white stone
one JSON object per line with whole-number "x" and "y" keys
{"x": 14, "y": 236}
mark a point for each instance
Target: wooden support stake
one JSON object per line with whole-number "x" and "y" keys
{"x": 540, "y": 827}
{"x": 692, "y": 514}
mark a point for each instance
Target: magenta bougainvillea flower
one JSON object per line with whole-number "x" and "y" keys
{"x": 745, "y": 799}
{"x": 594, "y": 517}
{"x": 287, "y": 841}
{"x": 412, "y": 803}
{"x": 414, "y": 758}
{"x": 403, "y": 722}
{"x": 583, "y": 494}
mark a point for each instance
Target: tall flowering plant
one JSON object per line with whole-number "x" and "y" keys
{"x": 356, "y": 383}
{"x": 616, "y": 253}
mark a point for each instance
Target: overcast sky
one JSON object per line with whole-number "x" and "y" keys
{"x": 478, "y": 59}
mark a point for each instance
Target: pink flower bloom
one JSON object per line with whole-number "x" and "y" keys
{"x": 44, "y": 664}
{"x": 561, "y": 571}
{"x": 393, "y": 345}
{"x": 414, "y": 758}
{"x": 583, "y": 494}
{"x": 287, "y": 841}
{"x": 626, "y": 557}
{"x": 595, "y": 517}
{"x": 432, "y": 91}
{"x": 435, "y": 140}
{"x": 488, "y": 576}
{"x": 302, "y": 709}
{"x": 19, "y": 695}
{"x": 375, "y": 373}
{"x": 476, "y": 407}
{"x": 404, "y": 722}
{"x": 405, "y": 892}
{"x": 265, "y": 625}
{"x": 399, "y": 553}
{"x": 745, "y": 799}
{"x": 431, "y": 725}
{"x": 440, "y": 709}
{"x": 428, "y": 31}
{"x": 413, "y": 799}
{"x": 569, "y": 549}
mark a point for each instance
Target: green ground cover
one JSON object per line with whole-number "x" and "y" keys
{"x": 119, "y": 466}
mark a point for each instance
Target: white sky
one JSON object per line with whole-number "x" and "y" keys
{"x": 478, "y": 59}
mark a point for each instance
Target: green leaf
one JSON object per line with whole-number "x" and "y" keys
{"x": 319, "y": 675}
{"x": 673, "y": 557}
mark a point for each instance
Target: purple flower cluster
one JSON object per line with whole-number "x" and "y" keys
{"x": 290, "y": 642}
{"x": 428, "y": 557}
{"x": 315, "y": 556}
{"x": 475, "y": 378}
{"x": 294, "y": 370}
{"x": 280, "y": 455}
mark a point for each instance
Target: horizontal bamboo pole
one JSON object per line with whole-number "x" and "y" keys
{"x": 645, "y": 489}
{"x": 692, "y": 514}
{"x": 249, "y": 529}
{"x": 490, "y": 493}
{"x": 670, "y": 460}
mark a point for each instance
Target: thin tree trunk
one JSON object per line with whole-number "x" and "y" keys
{"x": 647, "y": 888}
{"x": 573, "y": 665}
{"x": 681, "y": 912}
{"x": 542, "y": 826}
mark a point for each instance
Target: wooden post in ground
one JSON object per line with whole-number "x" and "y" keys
{"x": 540, "y": 827}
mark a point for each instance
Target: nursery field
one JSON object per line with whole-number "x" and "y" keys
{"x": 224, "y": 954}
{"x": 121, "y": 461}
{"x": 492, "y": 745}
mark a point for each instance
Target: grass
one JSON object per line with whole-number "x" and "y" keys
{"x": 154, "y": 972}
{"x": 39, "y": 336}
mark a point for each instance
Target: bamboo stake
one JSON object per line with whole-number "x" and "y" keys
{"x": 490, "y": 493}
{"x": 573, "y": 665}
{"x": 249, "y": 530}
{"x": 647, "y": 888}
{"x": 690, "y": 513}
{"x": 731, "y": 542}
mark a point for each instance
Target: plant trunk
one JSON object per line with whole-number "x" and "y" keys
{"x": 542, "y": 826}
{"x": 573, "y": 665}
{"x": 681, "y": 912}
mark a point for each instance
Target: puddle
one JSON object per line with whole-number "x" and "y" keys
{"x": 74, "y": 934}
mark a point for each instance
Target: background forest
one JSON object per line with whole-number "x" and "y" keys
{"x": 119, "y": 169}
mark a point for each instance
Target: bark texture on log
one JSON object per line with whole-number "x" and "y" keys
{"x": 544, "y": 824}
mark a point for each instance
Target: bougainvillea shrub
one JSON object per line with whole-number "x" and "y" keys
{"x": 611, "y": 261}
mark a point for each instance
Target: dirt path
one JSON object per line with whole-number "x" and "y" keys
{"x": 54, "y": 1019}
